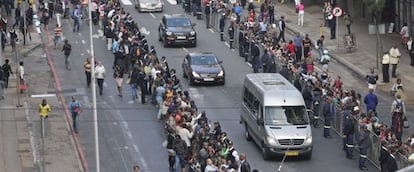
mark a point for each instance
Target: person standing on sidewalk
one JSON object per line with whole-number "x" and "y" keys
{"x": 88, "y": 70}
{"x": 2, "y": 84}
{"x": 231, "y": 34}
{"x": 282, "y": 26}
{"x": 371, "y": 100}
{"x": 67, "y": 49}
{"x": 298, "y": 40}
{"x": 58, "y": 36}
{"x": 332, "y": 26}
{"x": 394, "y": 59}
{"x": 372, "y": 79}
{"x": 301, "y": 14}
{"x": 386, "y": 67}
{"x": 410, "y": 50}
{"x": 6, "y": 68}
{"x": 74, "y": 107}
{"x": 133, "y": 81}
{"x": 44, "y": 109}
{"x": 76, "y": 19}
{"x": 58, "y": 12}
{"x": 100, "y": 76}
{"x": 364, "y": 144}
{"x": 118, "y": 76}
{"x": 398, "y": 112}
{"x": 207, "y": 12}
{"x": 348, "y": 22}
{"x": 221, "y": 25}
{"x": 405, "y": 33}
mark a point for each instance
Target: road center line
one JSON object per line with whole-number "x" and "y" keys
{"x": 83, "y": 41}
{"x": 185, "y": 49}
{"x": 211, "y": 30}
{"x": 227, "y": 44}
{"x": 152, "y": 15}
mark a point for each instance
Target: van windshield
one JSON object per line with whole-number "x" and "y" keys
{"x": 285, "y": 115}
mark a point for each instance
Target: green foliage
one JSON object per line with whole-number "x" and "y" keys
{"x": 375, "y": 6}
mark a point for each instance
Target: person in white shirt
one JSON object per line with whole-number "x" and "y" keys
{"x": 100, "y": 76}
{"x": 410, "y": 50}
{"x": 185, "y": 134}
{"x": 394, "y": 59}
{"x": 210, "y": 166}
{"x": 404, "y": 34}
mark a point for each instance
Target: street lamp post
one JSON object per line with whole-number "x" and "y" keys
{"x": 94, "y": 108}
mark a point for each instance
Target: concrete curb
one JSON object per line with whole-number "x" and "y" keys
{"x": 25, "y": 54}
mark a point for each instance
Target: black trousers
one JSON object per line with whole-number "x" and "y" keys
{"x": 327, "y": 127}
{"x": 411, "y": 57}
{"x": 88, "y": 78}
{"x": 208, "y": 20}
{"x": 386, "y": 72}
{"x": 281, "y": 36}
{"x": 100, "y": 85}
{"x": 143, "y": 91}
{"x": 394, "y": 70}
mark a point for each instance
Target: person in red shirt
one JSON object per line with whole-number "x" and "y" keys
{"x": 291, "y": 48}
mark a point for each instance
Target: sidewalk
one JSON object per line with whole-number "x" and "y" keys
{"x": 363, "y": 57}
{"x": 20, "y": 141}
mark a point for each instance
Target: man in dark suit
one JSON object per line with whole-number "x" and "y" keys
{"x": 244, "y": 165}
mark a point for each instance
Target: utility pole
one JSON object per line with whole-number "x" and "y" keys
{"x": 94, "y": 108}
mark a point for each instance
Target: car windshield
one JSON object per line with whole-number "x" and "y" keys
{"x": 203, "y": 60}
{"x": 178, "y": 22}
{"x": 286, "y": 115}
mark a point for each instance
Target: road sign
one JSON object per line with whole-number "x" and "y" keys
{"x": 337, "y": 11}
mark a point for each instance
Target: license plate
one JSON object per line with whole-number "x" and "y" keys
{"x": 291, "y": 153}
{"x": 180, "y": 37}
{"x": 208, "y": 79}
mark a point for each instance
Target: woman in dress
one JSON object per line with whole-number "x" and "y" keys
{"x": 118, "y": 76}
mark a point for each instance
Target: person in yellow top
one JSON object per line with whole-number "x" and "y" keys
{"x": 88, "y": 69}
{"x": 44, "y": 109}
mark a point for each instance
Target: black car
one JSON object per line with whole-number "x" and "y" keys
{"x": 203, "y": 68}
{"x": 177, "y": 29}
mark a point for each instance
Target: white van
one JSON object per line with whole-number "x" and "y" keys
{"x": 274, "y": 115}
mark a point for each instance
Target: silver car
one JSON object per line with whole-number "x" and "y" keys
{"x": 149, "y": 5}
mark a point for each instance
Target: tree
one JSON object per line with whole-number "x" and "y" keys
{"x": 375, "y": 8}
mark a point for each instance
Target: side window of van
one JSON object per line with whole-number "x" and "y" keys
{"x": 256, "y": 105}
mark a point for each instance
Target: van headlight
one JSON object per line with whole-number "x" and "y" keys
{"x": 195, "y": 74}
{"x": 192, "y": 33}
{"x": 221, "y": 73}
{"x": 308, "y": 140}
{"x": 271, "y": 140}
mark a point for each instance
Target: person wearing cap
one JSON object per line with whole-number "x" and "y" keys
{"x": 348, "y": 132}
{"x": 364, "y": 143}
{"x": 371, "y": 100}
{"x": 232, "y": 155}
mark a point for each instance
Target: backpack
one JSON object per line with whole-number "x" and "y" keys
{"x": 399, "y": 106}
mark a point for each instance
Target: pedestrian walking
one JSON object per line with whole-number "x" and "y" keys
{"x": 332, "y": 25}
{"x": 76, "y": 19}
{"x": 349, "y": 130}
{"x": 133, "y": 81}
{"x": 405, "y": 33}
{"x": 222, "y": 22}
{"x": 2, "y": 84}
{"x": 7, "y": 71}
{"x": 17, "y": 15}
{"x": 364, "y": 144}
{"x": 371, "y": 100}
{"x": 88, "y": 70}
{"x": 44, "y": 109}
{"x": 410, "y": 50}
{"x": 159, "y": 97}
{"x": 348, "y": 22}
{"x": 67, "y": 49}
{"x": 118, "y": 77}
{"x": 307, "y": 46}
{"x": 325, "y": 59}
{"x": 386, "y": 67}
{"x": 244, "y": 165}
{"x": 142, "y": 83}
{"x": 372, "y": 79}
{"x": 282, "y": 26}
{"x": 207, "y": 12}
{"x": 398, "y": 115}
{"x": 58, "y": 36}
{"x": 298, "y": 41}
{"x": 100, "y": 76}
{"x": 319, "y": 46}
{"x": 22, "y": 79}
{"x": 74, "y": 107}
{"x": 301, "y": 13}
{"x": 58, "y": 12}
{"x": 394, "y": 60}
{"x": 397, "y": 87}
{"x": 231, "y": 34}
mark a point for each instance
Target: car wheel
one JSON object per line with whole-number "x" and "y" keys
{"x": 194, "y": 44}
{"x": 246, "y": 133}
{"x": 265, "y": 152}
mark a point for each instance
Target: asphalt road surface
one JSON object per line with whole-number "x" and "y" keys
{"x": 129, "y": 132}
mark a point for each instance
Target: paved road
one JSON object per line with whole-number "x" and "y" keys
{"x": 129, "y": 131}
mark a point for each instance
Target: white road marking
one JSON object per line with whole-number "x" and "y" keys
{"x": 152, "y": 15}
{"x": 248, "y": 64}
{"x": 126, "y": 2}
{"x": 185, "y": 49}
{"x": 7, "y": 107}
{"x": 130, "y": 102}
{"x": 211, "y": 30}
{"x": 144, "y": 31}
{"x": 42, "y": 95}
{"x": 89, "y": 52}
{"x": 172, "y": 2}
{"x": 100, "y": 32}
{"x": 227, "y": 44}
{"x": 95, "y": 36}
{"x": 83, "y": 41}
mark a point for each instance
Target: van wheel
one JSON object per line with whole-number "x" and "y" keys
{"x": 246, "y": 133}
{"x": 265, "y": 152}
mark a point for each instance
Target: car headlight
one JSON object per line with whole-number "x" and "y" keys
{"x": 195, "y": 74}
{"x": 271, "y": 140}
{"x": 221, "y": 73}
{"x": 169, "y": 33}
{"x": 192, "y": 33}
{"x": 159, "y": 4}
{"x": 144, "y": 5}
